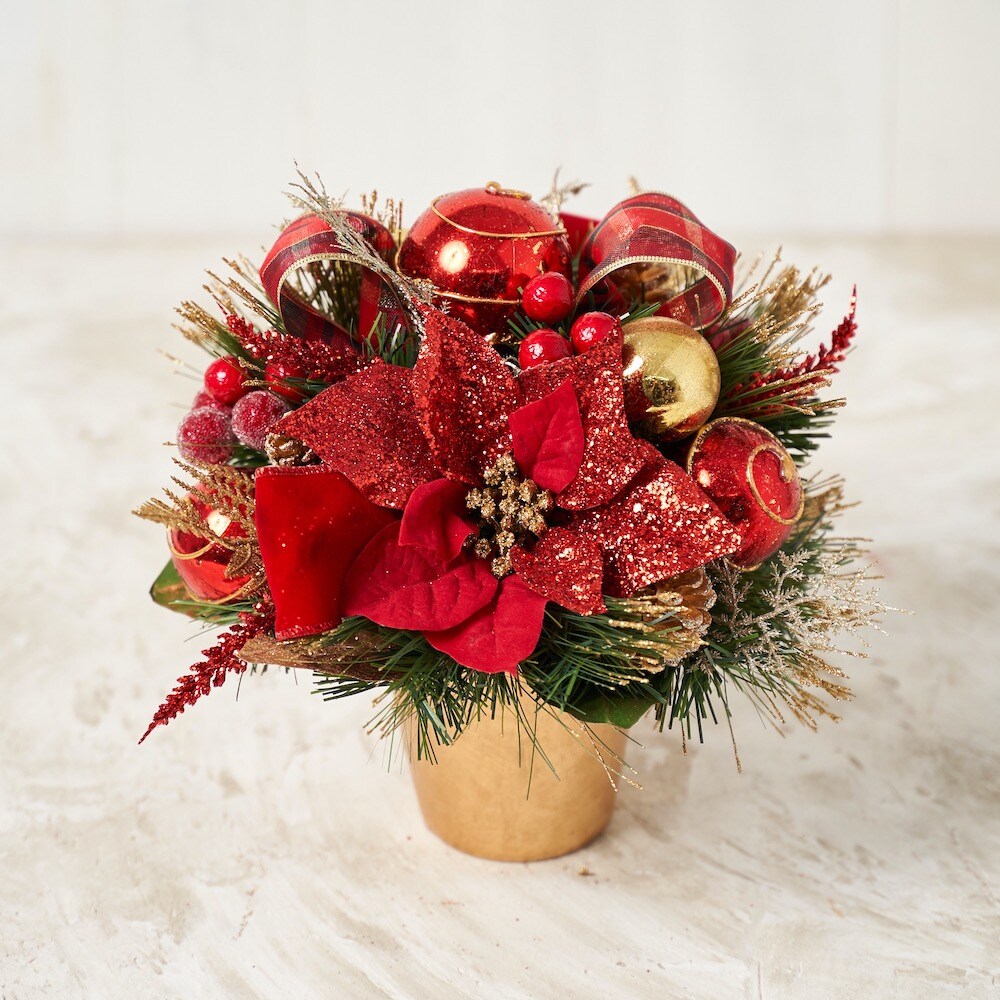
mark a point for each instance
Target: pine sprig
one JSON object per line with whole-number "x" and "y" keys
{"x": 398, "y": 346}
{"x": 420, "y": 684}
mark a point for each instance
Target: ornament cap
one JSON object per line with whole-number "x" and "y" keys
{"x": 519, "y": 219}
{"x": 495, "y": 187}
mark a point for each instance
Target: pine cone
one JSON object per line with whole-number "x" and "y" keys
{"x": 679, "y": 609}
{"x": 652, "y": 282}
{"x": 284, "y": 450}
{"x": 687, "y": 600}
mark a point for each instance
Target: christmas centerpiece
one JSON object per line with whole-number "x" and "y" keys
{"x": 524, "y": 477}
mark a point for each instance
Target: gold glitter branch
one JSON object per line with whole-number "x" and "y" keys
{"x": 558, "y": 193}
{"x": 775, "y": 627}
{"x": 310, "y": 196}
{"x": 230, "y": 494}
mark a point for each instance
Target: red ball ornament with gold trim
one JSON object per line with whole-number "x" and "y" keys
{"x": 480, "y": 247}
{"x": 754, "y": 482}
{"x": 203, "y": 563}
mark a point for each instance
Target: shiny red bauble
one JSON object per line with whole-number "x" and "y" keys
{"x": 279, "y": 376}
{"x": 752, "y": 480}
{"x": 548, "y": 298}
{"x": 225, "y": 380}
{"x": 201, "y": 562}
{"x": 479, "y": 248}
{"x": 590, "y": 329}
{"x": 542, "y": 346}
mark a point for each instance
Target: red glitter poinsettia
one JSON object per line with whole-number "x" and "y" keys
{"x": 514, "y": 491}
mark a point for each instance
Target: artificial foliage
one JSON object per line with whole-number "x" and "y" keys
{"x": 492, "y": 515}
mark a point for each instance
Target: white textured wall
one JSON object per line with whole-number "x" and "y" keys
{"x": 861, "y": 115}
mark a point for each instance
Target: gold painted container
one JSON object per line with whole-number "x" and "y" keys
{"x": 476, "y": 797}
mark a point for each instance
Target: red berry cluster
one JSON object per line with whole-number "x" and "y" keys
{"x": 227, "y": 411}
{"x": 548, "y": 298}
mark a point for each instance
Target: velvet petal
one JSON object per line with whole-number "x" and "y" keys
{"x": 612, "y": 457}
{"x": 407, "y": 586}
{"x": 548, "y": 438}
{"x": 499, "y": 636}
{"x": 311, "y": 524}
{"x": 433, "y": 518}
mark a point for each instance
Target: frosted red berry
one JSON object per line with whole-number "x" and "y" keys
{"x": 207, "y": 399}
{"x": 225, "y": 380}
{"x": 548, "y": 297}
{"x": 542, "y": 346}
{"x": 277, "y": 374}
{"x": 255, "y": 415}
{"x": 205, "y": 436}
{"x": 590, "y": 329}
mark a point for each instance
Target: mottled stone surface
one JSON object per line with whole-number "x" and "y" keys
{"x": 261, "y": 848}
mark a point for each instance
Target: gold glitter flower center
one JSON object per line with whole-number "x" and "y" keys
{"x": 511, "y": 511}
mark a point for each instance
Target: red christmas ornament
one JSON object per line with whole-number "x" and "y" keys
{"x": 205, "y": 436}
{"x": 548, "y": 298}
{"x": 480, "y": 247}
{"x": 201, "y": 562}
{"x": 277, "y": 375}
{"x": 752, "y": 480}
{"x": 224, "y": 380}
{"x": 591, "y": 328}
{"x": 542, "y": 346}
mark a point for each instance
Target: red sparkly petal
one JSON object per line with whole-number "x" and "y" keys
{"x": 366, "y": 427}
{"x": 564, "y": 567}
{"x": 548, "y": 438}
{"x": 433, "y": 519}
{"x": 498, "y": 637}
{"x": 661, "y": 526}
{"x": 311, "y": 524}
{"x": 612, "y": 456}
{"x": 407, "y": 586}
{"x": 465, "y": 395}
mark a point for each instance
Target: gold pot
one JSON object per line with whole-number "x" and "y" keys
{"x": 493, "y": 795}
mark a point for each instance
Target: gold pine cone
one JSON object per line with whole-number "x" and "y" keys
{"x": 678, "y": 610}
{"x": 288, "y": 451}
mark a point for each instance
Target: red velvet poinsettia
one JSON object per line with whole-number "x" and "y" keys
{"x": 590, "y": 509}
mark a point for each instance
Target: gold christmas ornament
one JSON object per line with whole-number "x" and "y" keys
{"x": 672, "y": 378}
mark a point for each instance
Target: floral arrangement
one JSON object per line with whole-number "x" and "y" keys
{"x": 513, "y": 451}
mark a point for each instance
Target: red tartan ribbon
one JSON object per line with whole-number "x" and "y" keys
{"x": 307, "y": 240}
{"x": 655, "y": 228}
